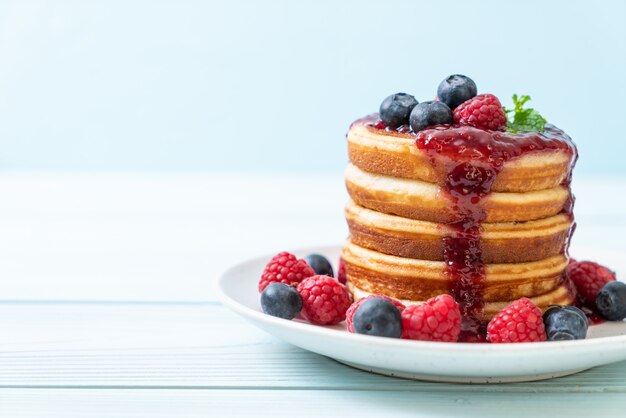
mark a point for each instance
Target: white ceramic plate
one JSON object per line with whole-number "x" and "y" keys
{"x": 434, "y": 361}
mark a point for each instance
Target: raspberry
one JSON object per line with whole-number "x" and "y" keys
{"x": 285, "y": 268}
{"x": 588, "y": 277}
{"x": 483, "y": 111}
{"x": 341, "y": 272}
{"x": 324, "y": 300}
{"x": 355, "y": 305}
{"x": 439, "y": 319}
{"x": 520, "y": 322}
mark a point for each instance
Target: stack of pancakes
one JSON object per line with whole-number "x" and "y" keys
{"x": 399, "y": 218}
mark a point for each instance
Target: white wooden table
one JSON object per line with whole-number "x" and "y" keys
{"x": 108, "y": 305}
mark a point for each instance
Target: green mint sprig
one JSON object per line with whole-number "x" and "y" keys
{"x": 524, "y": 120}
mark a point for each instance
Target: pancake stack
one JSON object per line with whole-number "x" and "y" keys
{"x": 484, "y": 216}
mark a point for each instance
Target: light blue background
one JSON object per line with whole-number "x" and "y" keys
{"x": 272, "y": 85}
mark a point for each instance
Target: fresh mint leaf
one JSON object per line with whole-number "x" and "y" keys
{"x": 524, "y": 120}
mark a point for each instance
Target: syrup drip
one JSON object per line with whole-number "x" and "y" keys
{"x": 466, "y": 185}
{"x": 471, "y": 159}
{"x": 593, "y": 317}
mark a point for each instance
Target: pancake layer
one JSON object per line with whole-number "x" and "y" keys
{"x": 560, "y": 296}
{"x": 394, "y": 154}
{"x": 419, "y": 280}
{"x": 420, "y": 200}
{"x": 510, "y": 242}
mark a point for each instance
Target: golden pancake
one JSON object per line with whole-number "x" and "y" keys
{"x": 420, "y": 200}
{"x": 394, "y": 154}
{"x": 559, "y": 296}
{"x": 510, "y": 242}
{"x": 420, "y": 280}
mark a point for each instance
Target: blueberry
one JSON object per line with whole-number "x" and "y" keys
{"x": 430, "y": 113}
{"x": 395, "y": 109}
{"x": 379, "y": 317}
{"x": 456, "y": 89}
{"x": 565, "y": 323}
{"x": 319, "y": 264}
{"x": 281, "y": 300}
{"x": 611, "y": 301}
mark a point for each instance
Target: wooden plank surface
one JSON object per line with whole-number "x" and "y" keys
{"x": 112, "y": 345}
{"x": 98, "y": 403}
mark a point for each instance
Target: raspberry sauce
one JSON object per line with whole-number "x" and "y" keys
{"x": 471, "y": 159}
{"x": 593, "y": 317}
